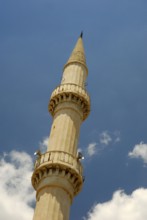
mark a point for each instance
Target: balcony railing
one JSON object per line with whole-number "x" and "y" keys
{"x": 60, "y": 158}
{"x": 71, "y": 87}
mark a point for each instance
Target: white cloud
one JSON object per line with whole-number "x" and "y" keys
{"x": 43, "y": 145}
{"x": 105, "y": 138}
{"x": 139, "y": 151}
{"x": 17, "y": 194}
{"x": 121, "y": 207}
{"x": 91, "y": 149}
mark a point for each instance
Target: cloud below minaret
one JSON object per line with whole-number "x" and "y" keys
{"x": 17, "y": 194}
{"x": 121, "y": 207}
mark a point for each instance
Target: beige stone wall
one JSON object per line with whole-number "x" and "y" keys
{"x": 52, "y": 204}
{"x": 65, "y": 129}
{"x": 74, "y": 73}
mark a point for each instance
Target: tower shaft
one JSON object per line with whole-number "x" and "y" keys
{"x": 57, "y": 176}
{"x": 53, "y": 203}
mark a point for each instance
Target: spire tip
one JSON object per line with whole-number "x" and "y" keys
{"x": 81, "y": 35}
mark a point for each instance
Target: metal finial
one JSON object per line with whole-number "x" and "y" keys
{"x": 81, "y": 35}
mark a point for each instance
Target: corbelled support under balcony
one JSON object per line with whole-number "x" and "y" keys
{"x": 70, "y": 93}
{"x": 54, "y": 165}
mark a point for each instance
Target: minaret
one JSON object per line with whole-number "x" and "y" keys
{"x": 58, "y": 174}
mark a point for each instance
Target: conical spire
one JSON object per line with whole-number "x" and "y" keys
{"x": 78, "y": 54}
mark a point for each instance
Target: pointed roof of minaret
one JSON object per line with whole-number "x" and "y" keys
{"x": 78, "y": 54}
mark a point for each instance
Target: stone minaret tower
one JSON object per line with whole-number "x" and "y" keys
{"x": 57, "y": 176}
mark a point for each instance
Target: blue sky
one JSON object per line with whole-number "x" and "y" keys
{"x": 36, "y": 39}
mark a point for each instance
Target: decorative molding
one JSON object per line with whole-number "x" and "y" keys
{"x": 60, "y": 164}
{"x": 71, "y": 93}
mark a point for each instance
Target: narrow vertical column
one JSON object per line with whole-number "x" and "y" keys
{"x": 57, "y": 176}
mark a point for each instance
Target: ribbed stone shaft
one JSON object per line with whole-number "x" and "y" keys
{"x": 75, "y": 73}
{"x": 55, "y": 204}
{"x": 65, "y": 130}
